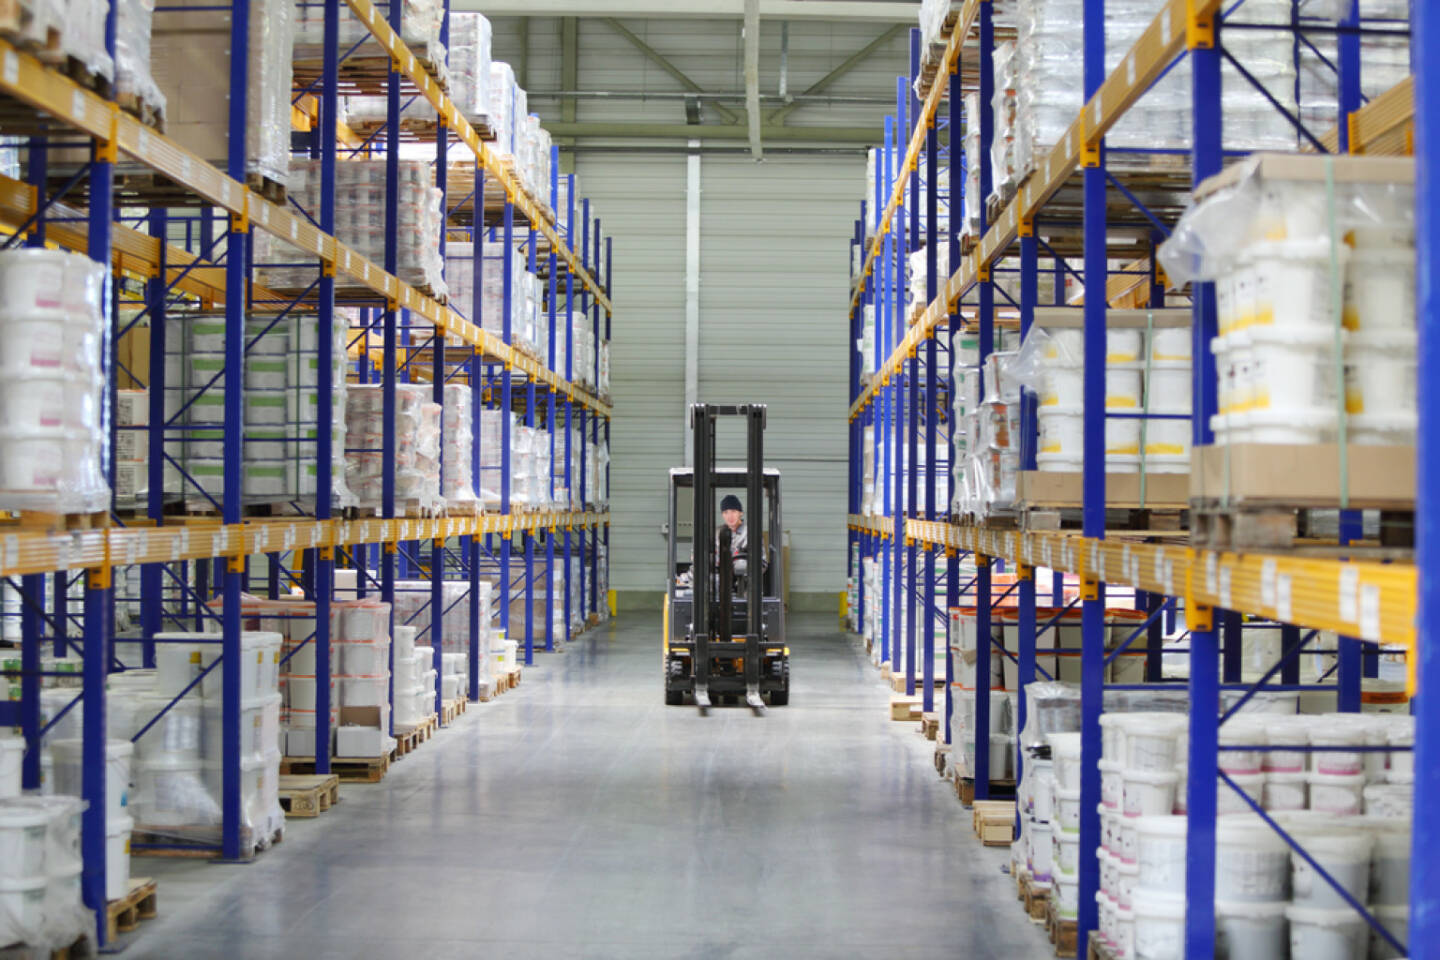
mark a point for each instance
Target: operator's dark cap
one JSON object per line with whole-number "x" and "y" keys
{"x": 731, "y": 502}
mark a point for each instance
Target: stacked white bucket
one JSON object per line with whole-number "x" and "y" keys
{"x": 1270, "y": 901}
{"x": 964, "y": 657}
{"x": 1279, "y": 322}
{"x": 179, "y": 762}
{"x": 40, "y": 864}
{"x": 362, "y": 645}
{"x": 939, "y": 631}
{"x": 1143, "y": 374}
{"x": 1053, "y": 708}
{"x": 413, "y": 609}
{"x": 52, "y": 327}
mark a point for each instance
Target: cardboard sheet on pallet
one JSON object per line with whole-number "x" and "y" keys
{"x": 1039, "y": 488}
{"x": 1303, "y": 475}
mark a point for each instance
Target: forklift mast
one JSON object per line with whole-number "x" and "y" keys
{"x": 714, "y": 612}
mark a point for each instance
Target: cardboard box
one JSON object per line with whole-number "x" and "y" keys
{"x": 1303, "y": 475}
{"x": 1038, "y": 488}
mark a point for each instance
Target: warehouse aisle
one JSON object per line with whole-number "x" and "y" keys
{"x": 578, "y": 817}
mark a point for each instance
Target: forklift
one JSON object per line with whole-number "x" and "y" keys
{"x": 725, "y": 632}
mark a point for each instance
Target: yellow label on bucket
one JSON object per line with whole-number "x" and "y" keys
{"x": 195, "y": 656}
{"x": 1354, "y": 401}
{"x": 1123, "y": 403}
{"x": 1164, "y": 449}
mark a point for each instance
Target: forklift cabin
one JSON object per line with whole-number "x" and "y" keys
{"x": 736, "y": 647}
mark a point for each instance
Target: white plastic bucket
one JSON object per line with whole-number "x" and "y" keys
{"x": 1169, "y": 387}
{"x": 43, "y": 403}
{"x": 1171, "y": 344}
{"x": 1252, "y": 862}
{"x": 1286, "y": 731}
{"x": 1149, "y": 793}
{"x": 1110, "y": 830}
{"x": 34, "y": 283}
{"x": 364, "y": 691}
{"x": 1242, "y": 730}
{"x": 1292, "y": 282}
{"x": 1067, "y": 895}
{"x": 1338, "y": 794}
{"x": 1245, "y": 930}
{"x": 1123, "y": 346}
{"x": 1062, "y": 434}
{"x": 1112, "y": 784}
{"x": 1344, "y": 854}
{"x": 1128, "y": 878}
{"x": 252, "y": 647}
{"x": 1380, "y": 373}
{"x": 176, "y": 735}
{"x": 1380, "y": 290}
{"x": 1389, "y": 800}
{"x": 1291, "y": 370}
{"x": 1390, "y": 864}
{"x": 1161, "y": 856}
{"x": 12, "y": 756}
{"x": 1067, "y": 810}
{"x": 1402, "y": 762}
{"x": 1151, "y": 739}
{"x": 1129, "y": 840}
{"x": 22, "y": 908}
{"x": 1112, "y": 739}
{"x": 363, "y": 659}
{"x": 1065, "y": 755}
{"x": 1042, "y": 797}
{"x": 1042, "y": 851}
{"x": 1123, "y": 940}
{"x": 1066, "y": 851}
{"x": 23, "y": 832}
{"x": 1285, "y": 791}
{"x": 1228, "y": 802}
{"x": 177, "y": 663}
{"x": 117, "y": 857}
{"x": 1327, "y": 934}
{"x": 69, "y": 763}
{"x": 1159, "y": 926}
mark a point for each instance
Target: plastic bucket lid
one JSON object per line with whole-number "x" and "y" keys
{"x": 1252, "y": 909}
{"x": 1149, "y": 905}
{"x": 71, "y": 750}
{"x": 1348, "y": 846}
{"x": 22, "y": 884}
{"x": 1247, "y": 831}
{"x": 13, "y": 817}
{"x": 119, "y": 825}
{"x": 1287, "y": 777}
{"x": 1157, "y": 778}
{"x": 1062, "y": 794}
{"x": 1111, "y": 766}
{"x": 1064, "y": 744}
{"x": 1338, "y": 779}
{"x": 1321, "y": 917}
{"x": 1162, "y": 826}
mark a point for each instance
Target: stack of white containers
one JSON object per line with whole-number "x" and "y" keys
{"x": 50, "y": 402}
{"x": 362, "y": 644}
{"x": 179, "y": 762}
{"x": 1272, "y": 245}
{"x": 965, "y": 656}
{"x": 469, "y": 65}
{"x": 1349, "y": 810}
{"x": 299, "y": 672}
{"x": 420, "y": 22}
{"x": 417, "y": 446}
{"x": 40, "y": 900}
{"x": 413, "y": 700}
{"x": 1145, "y": 373}
{"x": 457, "y": 473}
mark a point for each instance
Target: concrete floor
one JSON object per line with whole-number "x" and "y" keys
{"x": 578, "y": 817}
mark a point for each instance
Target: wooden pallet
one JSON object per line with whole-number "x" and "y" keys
{"x": 450, "y": 710}
{"x": 125, "y": 914}
{"x": 143, "y": 110}
{"x": 965, "y": 789}
{"x": 308, "y": 796}
{"x": 942, "y": 758}
{"x": 994, "y": 822}
{"x": 271, "y": 190}
{"x": 16, "y": 26}
{"x": 488, "y": 690}
{"x": 897, "y": 683}
{"x": 193, "y": 843}
{"x": 413, "y": 736}
{"x": 43, "y": 521}
{"x": 929, "y": 725}
{"x": 905, "y": 708}
{"x": 515, "y": 678}
{"x": 1098, "y": 948}
{"x": 348, "y": 769}
{"x": 1063, "y": 933}
{"x": 1037, "y": 901}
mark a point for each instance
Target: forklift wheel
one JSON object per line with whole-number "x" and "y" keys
{"x": 673, "y": 670}
{"x": 781, "y": 697}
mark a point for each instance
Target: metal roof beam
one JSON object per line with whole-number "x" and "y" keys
{"x": 777, "y": 116}
{"x": 659, "y": 59}
{"x": 712, "y": 131}
{"x": 873, "y": 11}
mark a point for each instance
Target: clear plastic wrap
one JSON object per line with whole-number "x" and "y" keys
{"x": 458, "y": 475}
{"x": 417, "y": 447}
{"x": 51, "y": 401}
{"x": 469, "y": 65}
{"x": 82, "y": 35}
{"x": 1050, "y": 708}
{"x": 132, "y": 55}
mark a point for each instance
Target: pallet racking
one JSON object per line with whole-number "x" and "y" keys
{"x": 1364, "y": 601}
{"x": 160, "y": 258}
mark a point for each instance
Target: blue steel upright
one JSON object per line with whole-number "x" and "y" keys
{"x": 986, "y": 288}
{"x": 1424, "y": 942}
{"x": 932, "y": 377}
{"x": 235, "y": 282}
{"x": 1092, "y": 656}
{"x": 1204, "y": 654}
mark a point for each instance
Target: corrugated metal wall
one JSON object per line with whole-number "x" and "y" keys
{"x": 773, "y": 275}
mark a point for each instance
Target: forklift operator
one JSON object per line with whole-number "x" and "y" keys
{"x": 734, "y": 516}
